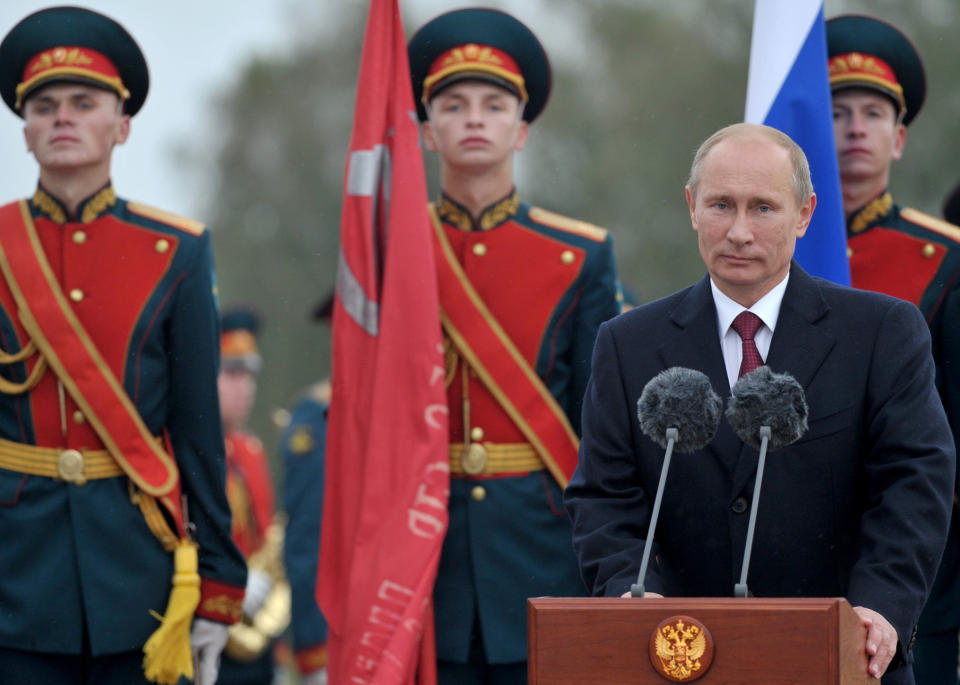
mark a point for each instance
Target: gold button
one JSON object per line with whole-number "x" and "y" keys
{"x": 567, "y": 257}
{"x": 849, "y": 252}
{"x": 929, "y": 250}
{"x": 78, "y": 416}
{"x": 162, "y": 245}
{"x": 479, "y": 249}
{"x": 79, "y": 237}
{"x": 479, "y": 493}
{"x": 76, "y": 294}
{"x": 476, "y": 433}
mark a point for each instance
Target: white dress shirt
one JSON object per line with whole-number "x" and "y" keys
{"x": 767, "y": 308}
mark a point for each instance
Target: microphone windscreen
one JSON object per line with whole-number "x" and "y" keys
{"x": 683, "y": 399}
{"x": 765, "y": 398}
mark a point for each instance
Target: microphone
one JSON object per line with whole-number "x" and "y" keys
{"x": 767, "y": 411}
{"x": 677, "y": 409}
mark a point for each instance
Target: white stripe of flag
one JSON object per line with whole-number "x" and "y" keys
{"x": 788, "y": 88}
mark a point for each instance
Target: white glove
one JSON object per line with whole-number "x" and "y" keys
{"x": 318, "y": 677}
{"x": 259, "y": 584}
{"x": 207, "y": 640}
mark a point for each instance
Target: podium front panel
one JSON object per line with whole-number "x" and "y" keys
{"x": 605, "y": 641}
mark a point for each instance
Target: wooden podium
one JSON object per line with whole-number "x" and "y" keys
{"x": 608, "y": 641}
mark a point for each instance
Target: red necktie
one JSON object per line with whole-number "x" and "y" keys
{"x": 746, "y": 325}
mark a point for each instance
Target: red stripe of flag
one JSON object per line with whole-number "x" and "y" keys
{"x": 387, "y": 471}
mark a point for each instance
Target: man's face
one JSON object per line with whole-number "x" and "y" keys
{"x": 72, "y": 127}
{"x": 746, "y": 216}
{"x": 867, "y": 134}
{"x": 238, "y": 389}
{"x": 474, "y": 125}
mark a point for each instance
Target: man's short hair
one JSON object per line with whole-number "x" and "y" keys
{"x": 802, "y": 183}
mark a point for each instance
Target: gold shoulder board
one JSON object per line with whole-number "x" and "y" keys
{"x": 301, "y": 440}
{"x": 564, "y": 223}
{"x": 933, "y": 223}
{"x": 184, "y": 224}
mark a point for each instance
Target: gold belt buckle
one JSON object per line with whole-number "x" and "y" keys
{"x": 70, "y": 467}
{"x": 474, "y": 459}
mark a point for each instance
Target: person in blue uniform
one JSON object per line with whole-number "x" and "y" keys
{"x": 878, "y": 85}
{"x": 522, "y": 293}
{"x": 111, "y": 448}
{"x": 302, "y": 449}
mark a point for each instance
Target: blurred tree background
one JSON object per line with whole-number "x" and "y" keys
{"x": 637, "y": 85}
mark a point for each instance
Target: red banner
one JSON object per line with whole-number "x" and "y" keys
{"x": 387, "y": 469}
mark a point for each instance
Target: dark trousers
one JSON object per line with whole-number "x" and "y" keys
{"x": 18, "y": 666}
{"x": 477, "y": 671}
{"x": 935, "y": 658}
{"x": 257, "y": 672}
{"x": 449, "y": 673}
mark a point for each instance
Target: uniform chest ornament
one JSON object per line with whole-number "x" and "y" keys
{"x": 681, "y": 649}
{"x": 70, "y": 467}
{"x": 474, "y": 459}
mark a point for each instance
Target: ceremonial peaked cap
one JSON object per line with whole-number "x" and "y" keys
{"x": 74, "y": 45}
{"x": 869, "y": 53}
{"x": 479, "y": 44}
{"x": 238, "y": 339}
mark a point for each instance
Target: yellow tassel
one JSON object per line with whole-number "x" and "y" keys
{"x": 167, "y": 653}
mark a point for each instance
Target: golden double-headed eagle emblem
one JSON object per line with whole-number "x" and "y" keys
{"x": 679, "y": 648}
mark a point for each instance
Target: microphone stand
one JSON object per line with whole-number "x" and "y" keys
{"x": 636, "y": 590}
{"x": 740, "y": 589}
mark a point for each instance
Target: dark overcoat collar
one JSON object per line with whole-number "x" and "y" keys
{"x": 799, "y": 347}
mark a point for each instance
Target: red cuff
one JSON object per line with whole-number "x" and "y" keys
{"x": 310, "y": 659}
{"x": 219, "y": 602}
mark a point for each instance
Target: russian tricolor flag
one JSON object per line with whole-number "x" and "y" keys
{"x": 788, "y": 88}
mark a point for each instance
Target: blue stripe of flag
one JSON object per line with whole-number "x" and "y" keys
{"x": 802, "y": 109}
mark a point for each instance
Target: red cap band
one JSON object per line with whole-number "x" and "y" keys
{"x": 237, "y": 343}
{"x": 476, "y": 59}
{"x": 69, "y": 61}
{"x": 855, "y": 68}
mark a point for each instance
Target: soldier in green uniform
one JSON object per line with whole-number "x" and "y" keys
{"x": 522, "y": 291}
{"x": 878, "y": 85}
{"x": 111, "y": 448}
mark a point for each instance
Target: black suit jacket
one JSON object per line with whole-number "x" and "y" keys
{"x": 857, "y": 507}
